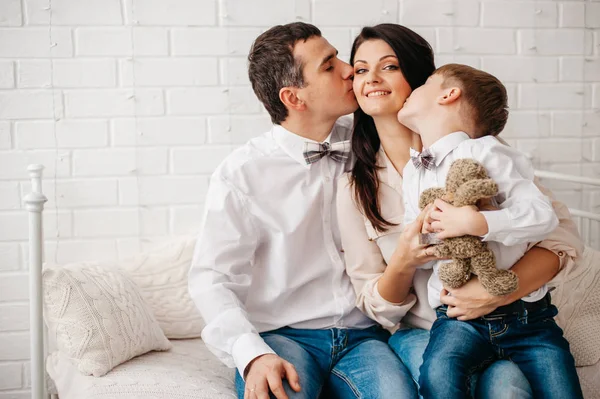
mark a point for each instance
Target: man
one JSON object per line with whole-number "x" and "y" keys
{"x": 268, "y": 271}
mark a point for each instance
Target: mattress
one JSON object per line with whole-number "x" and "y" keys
{"x": 188, "y": 370}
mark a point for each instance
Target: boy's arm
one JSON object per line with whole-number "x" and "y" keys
{"x": 220, "y": 276}
{"x": 527, "y": 214}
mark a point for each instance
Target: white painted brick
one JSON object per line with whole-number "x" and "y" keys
{"x": 68, "y": 12}
{"x": 11, "y": 15}
{"x": 77, "y": 193}
{"x": 596, "y": 96}
{"x": 158, "y": 131}
{"x": 10, "y": 259}
{"x": 84, "y": 73}
{"x": 10, "y": 376}
{"x": 471, "y": 60}
{"x": 13, "y": 165}
{"x": 553, "y": 151}
{"x": 173, "y": 12}
{"x": 169, "y": 72}
{"x": 197, "y": 160}
{"x": 554, "y": 96}
{"x": 35, "y": 42}
{"x": 576, "y": 124}
{"x": 513, "y": 97}
{"x": 29, "y": 104}
{"x": 213, "y": 41}
{"x": 34, "y": 74}
{"x": 27, "y": 375}
{"x": 170, "y": 190}
{"x": 212, "y": 100}
{"x": 237, "y": 129}
{"x": 7, "y": 75}
{"x": 591, "y": 150}
{"x": 122, "y": 102}
{"x": 81, "y": 250}
{"x": 234, "y": 71}
{"x": 555, "y": 42}
{"x": 14, "y": 225}
{"x": 119, "y": 162}
{"x": 440, "y": 13}
{"x": 592, "y": 15}
{"x": 132, "y": 246}
{"x": 572, "y": 15}
{"x": 5, "y": 136}
{"x": 9, "y": 195}
{"x": 577, "y": 69}
{"x": 428, "y": 34}
{"x": 476, "y": 41}
{"x": 353, "y": 12}
{"x": 13, "y": 287}
{"x": 14, "y": 317}
{"x": 340, "y": 38}
{"x": 15, "y": 395}
{"x": 69, "y": 134}
{"x": 120, "y": 222}
{"x": 596, "y": 42}
{"x": 273, "y": 12}
{"x": 520, "y": 14}
{"x": 132, "y": 41}
{"x": 527, "y": 124}
{"x": 186, "y": 220}
{"x": 522, "y": 69}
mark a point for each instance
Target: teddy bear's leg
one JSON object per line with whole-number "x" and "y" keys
{"x": 472, "y": 191}
{"x": 496, "y": 282}
{"x": 431, "y": 194}
{"x": 456, "y": 273}
{"x": 462, "y": 247}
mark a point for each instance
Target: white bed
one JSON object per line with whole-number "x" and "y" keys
{"x": 189, "y": 370}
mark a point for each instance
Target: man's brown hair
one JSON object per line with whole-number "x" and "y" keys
{"x": 484, "y": 94}
{"x": 271, "y": 65}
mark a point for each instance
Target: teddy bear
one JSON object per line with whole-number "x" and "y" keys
{"x": 466, "y": 183}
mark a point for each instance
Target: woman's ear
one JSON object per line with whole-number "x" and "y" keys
{"x": 449, "y": 95}
{"x": 289, "y": 98}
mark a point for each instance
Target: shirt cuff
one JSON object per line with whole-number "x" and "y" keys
{"x": 247, "y": 348}
{"x": 498, "y": 222}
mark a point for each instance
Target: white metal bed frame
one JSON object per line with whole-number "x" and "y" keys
{"x": 34, "y": 203}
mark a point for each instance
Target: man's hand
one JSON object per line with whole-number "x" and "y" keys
{"x": 266, "y": 373}
{"x": 450, "y": 221}
{"x": 470, "y": 301}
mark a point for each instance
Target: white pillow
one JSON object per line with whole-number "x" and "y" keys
{"x": 162, "y": 275}
{"x": 97, "y": 317}
{"x": 578, "y": 301}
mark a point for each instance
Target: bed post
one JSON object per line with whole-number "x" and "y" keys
{"x": 34, "y": 203}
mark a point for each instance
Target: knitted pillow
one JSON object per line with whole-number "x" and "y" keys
{"x": 97, "y": 317}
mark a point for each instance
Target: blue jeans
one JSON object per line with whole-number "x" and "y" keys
{"x": 532, "y": 340}
{"x": 340, "y": 363}
{"x": 501, "y": 380}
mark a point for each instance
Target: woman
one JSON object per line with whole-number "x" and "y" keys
{"x": 389, "y": 62}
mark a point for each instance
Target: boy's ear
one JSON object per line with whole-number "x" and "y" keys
{"x": 449, "y": 95}
{"x": 289, "y": 96}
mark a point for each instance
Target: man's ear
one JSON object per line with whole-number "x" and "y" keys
{"x": 289, "y": 97}
{"x": 450, "y": 95}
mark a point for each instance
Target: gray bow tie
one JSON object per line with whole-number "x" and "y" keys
{"x": 339, "y": 151}
{"x": 424, "y": 159}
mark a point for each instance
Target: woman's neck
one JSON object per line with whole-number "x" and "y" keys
{"x": 396, "y": 140}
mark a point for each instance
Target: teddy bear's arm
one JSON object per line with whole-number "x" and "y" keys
{"x": 431, "y": 194}
{"x": 474, "y": 190}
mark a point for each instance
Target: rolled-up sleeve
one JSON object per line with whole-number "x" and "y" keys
{"x": 564, "y": 241}
{"x": 220, "y": 276}
{"x": 365, "y": 263}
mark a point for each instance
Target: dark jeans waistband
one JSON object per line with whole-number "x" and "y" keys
{"x": 518, "y": 307}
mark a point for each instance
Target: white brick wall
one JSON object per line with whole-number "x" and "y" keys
{"x": 130, "y": 104}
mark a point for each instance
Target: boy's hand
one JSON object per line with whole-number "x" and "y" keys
{"x": 428, "y": 220}
{"x": 450, "y": 221}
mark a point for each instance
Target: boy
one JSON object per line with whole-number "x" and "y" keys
{"x": 457, "y": 113}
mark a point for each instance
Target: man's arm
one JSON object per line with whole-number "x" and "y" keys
{"x": 220, "y": 276}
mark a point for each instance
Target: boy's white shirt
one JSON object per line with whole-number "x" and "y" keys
{"x": 525, "y": 214}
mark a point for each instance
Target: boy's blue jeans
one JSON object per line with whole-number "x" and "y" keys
{"x": 340, "y": 363}
{"x": 531, "y": 339}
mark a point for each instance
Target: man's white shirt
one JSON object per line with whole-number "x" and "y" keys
{"x": 525, "y": 215}
{"x": 269, "y": 253}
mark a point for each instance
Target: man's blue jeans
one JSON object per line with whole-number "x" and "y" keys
{"x": 532, "y": 340}
{"x": 340, "y": 363}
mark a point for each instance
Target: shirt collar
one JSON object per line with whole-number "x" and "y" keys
{"x": 293, "y": 144}
{"x": 446, "y": 145}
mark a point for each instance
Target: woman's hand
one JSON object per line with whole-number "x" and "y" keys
{"x": 470, "y": 301}
{"x": 409, "y": 252}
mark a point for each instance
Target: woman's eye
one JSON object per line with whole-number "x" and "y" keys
{"x": 330, "y": 68}
{"x": 391, "y": 67}
{"x": 359, "y": 71}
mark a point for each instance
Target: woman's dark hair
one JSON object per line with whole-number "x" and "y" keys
{"x": 415, "y": 58}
